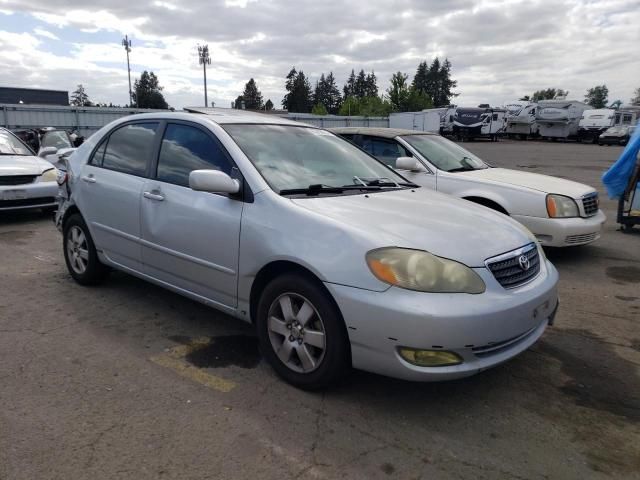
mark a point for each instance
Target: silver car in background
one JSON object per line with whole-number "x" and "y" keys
{"x": 337, "y": 260}
{"x": 26, "y": 181}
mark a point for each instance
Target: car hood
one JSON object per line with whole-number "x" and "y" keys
{"x": 421, "y": 219}
{"x": 534, "y": 181}
{"x": 22, "y": 165}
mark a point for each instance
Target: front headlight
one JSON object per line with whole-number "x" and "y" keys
{"x": 50, "y": 175}
{"x": 421, "y": 271}
{"x": 559, "y": 206}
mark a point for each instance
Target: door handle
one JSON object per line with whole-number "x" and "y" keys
{"x": 89, "y": 178}
{"x": 158, "y": 197}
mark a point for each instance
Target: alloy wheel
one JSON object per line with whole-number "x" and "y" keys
{"x": 77, "y": 249}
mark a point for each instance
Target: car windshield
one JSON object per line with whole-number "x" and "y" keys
{"x": 57, "y": 139}
{"x": 10, "y": 145}
{"x": 444, "y": 154}
{"x": 292, "y": 157}
{"x": 617, "y": 130}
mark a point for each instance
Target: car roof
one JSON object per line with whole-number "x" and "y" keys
{"x": 378, "y": 132}
{"x": 220, "y": 116}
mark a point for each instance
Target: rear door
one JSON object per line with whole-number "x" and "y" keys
{"x": 110, "y": 187}
{"x": 191, "y": 239}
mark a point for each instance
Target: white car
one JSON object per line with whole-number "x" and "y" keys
{"x": 26, "y": 181}
{"x": 559, "y": 212}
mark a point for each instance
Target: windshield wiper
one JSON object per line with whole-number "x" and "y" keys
{"x": 314, "y": 189}
{"x": 461, "y": 169}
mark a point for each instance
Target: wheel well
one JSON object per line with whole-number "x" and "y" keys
{"x": 273, "y": 270}
{"x": 485, "y": 202}
{"x": 70, "y": 211}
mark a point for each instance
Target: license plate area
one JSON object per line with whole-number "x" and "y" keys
{"x": 13, "y": 194}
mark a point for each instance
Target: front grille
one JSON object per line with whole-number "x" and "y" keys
{"x": 590, "y": 204}
{"x": 515, "y": 268}
{"x": 578, "y": 239}
{"x": 17, "y": 179}
{"x": 27, "y": 202}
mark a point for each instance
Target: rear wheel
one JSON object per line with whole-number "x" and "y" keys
{"x": 301, "y": 332}
{"x": 80, "y": 253}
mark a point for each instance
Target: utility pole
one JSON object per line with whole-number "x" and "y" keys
{"x": 204, "y": 60}
{"x": 126, "y": 43}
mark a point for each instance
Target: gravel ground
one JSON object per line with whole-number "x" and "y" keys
{"x": 128, "y": 380}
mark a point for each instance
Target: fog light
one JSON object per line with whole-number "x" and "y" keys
{"x": 430, "y": 358}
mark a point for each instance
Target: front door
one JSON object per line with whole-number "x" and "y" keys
{"x": 190, "y": 239}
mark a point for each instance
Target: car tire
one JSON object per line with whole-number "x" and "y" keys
{"x": 302, "y": 333}
{"x": 80, "y": 253}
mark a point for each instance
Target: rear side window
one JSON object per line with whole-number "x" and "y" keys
{"x": 98, "y": 155}
{"x": 129, "y": 148}
{"x": 184, "y": 149}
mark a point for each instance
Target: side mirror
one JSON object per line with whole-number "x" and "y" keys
{"x": 213, "y": 181}
{"x": 46, "y": 151}
{"x": 408, "y": 163}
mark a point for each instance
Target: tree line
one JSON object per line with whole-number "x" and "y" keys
{"x": 146, "y": 93}
{"x": 431, "y": 85}
{"x": 597, "y": 96}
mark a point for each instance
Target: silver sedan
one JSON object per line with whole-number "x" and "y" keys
{"x": 336, "y": 259}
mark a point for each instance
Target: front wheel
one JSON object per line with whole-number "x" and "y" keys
{"x": 301, "y": 332}
{"x": 80, "y": 253}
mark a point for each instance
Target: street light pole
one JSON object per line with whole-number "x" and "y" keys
{"x": 126, "y": 43}
{"x": 204, "y": 60}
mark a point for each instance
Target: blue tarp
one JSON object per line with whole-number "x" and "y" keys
{"x": 617, "y": 177}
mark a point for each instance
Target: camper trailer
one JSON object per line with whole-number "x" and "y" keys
{"x": 521, "y": 122}
{"x": 627, "y": 115}
{"x": 559, "y": 118}
{"x": 594, "y": 122}
{"x": 425, "y": 121}
{"x": 446, "y": 118}
{"x": 470, "y": 123}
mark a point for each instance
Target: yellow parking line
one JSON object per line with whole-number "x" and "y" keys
{"x": 173, "y": 360}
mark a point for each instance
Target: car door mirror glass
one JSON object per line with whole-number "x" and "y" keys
{"x": 213, "y": 181}
{"x": 44, "y": 152}
{"x": 408, "y": 163}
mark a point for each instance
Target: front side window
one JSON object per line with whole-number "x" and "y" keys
{"x": 444, "y": 154}
{"x": 129, "y": 148}
{"x": 10, "y": 145}
{"x": 185, "y": 149}
{"x": 292, "y": 157}
{"x": 387, "y": 151}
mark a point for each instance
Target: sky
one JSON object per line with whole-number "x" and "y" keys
{"x": 499, "y": 50}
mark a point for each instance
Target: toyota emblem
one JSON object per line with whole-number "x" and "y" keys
{"x": 524, "y": 262}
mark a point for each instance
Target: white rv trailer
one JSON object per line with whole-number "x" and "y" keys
{"x": 470, "y": 123}
{"x": 522, "y": 122}
{"x": 425, "y": 121}
{"x": 559, "y": 118}
{"x": 627, "y": 115}
{"x": 594, "y": 122}
{"x": 446, "y": 117}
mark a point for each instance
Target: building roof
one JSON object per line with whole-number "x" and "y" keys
{"x": 378, "y": 132}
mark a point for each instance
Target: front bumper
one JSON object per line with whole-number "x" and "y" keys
{"x": 613, "y": 140}
{"x": 31, "y": 195}
{"x": 564, "y": 232}
{"x": 485, "y": 330}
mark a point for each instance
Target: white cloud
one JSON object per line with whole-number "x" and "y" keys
{"x": 499, "y": 49}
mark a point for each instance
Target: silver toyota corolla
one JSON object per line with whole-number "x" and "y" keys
{"x": 336, "y": 259}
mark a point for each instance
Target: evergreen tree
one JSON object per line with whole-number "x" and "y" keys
{"x": 435, "y": 81}
{"x": 299, "y": 96}
{"x": 319, "y": 94}
{"x": 371, "y": 85}
{"x": 268, "y": 105}
{"x": 252, "y": 96}
{"x": 332, "y": 94}
{"x": 446, "y": 85}
{"x": 349, "y": 89}
{"x": 79, "y": 97}
{"x": 147, "y": 92}
{"x": 238, "y": 103}
{"x": 360, "y": 88}
{"x": 597, "y": 96}
{"x": 420, "y": 82}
